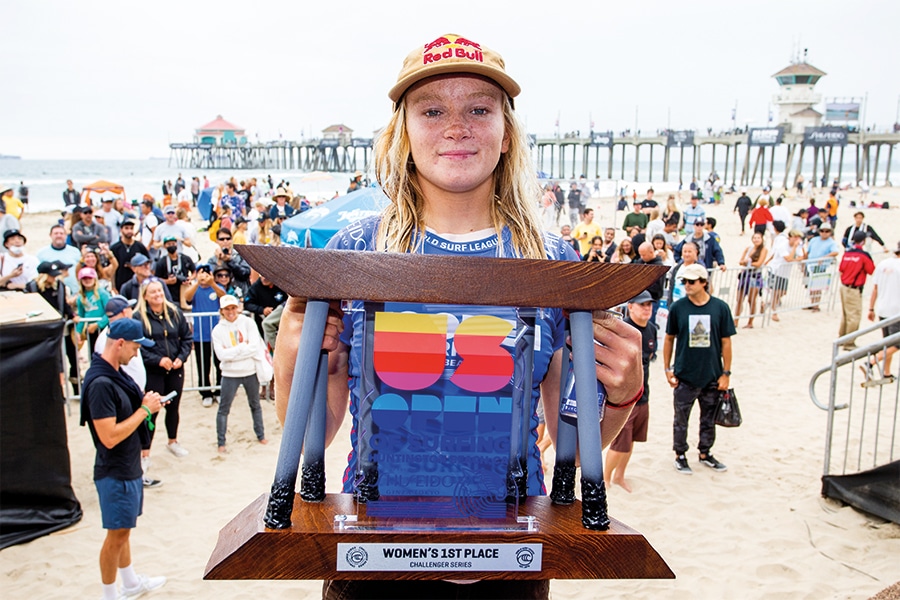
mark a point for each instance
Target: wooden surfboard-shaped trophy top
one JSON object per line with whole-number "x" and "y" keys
{"x": 426, "y": 278}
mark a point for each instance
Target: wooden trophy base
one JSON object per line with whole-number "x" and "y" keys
{"x": 246, "y": 549}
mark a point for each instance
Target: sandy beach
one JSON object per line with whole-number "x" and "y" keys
{"x": 759, "y": 530}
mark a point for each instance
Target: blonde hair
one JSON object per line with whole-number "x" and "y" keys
{"x": 95, "y": 291}
{"x": 143, "y": 308}
{"x": 516, "y": 190}
{"x": 42, "y": 282}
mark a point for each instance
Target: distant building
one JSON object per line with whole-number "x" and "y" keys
{"x": 220, "y": 132}
{"x": 796, "y": 99}
{"x": 339, "y": 132}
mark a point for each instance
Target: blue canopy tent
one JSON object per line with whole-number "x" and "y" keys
{"x": 314, "y": 227}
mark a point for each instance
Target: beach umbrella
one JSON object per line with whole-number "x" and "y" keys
{"x": 314, "y": 227}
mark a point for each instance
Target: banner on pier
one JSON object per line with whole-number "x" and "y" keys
{"x": 825, "y": 136}
{"x": 680, "y": 139}
{"x": 604, "y": 139}
{"x": 765, "y": 136}
{"x": 842, "y": 111}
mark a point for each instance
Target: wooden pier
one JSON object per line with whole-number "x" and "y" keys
{"x": 315, "y": 155}
{"x": 553, "y": 154}
{"x": 730, "y": 151}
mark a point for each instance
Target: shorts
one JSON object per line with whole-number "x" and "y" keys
{"x": 121, "y": 501}
{"x": 890, "y": 330}
{"x": 778, "y": 283}
{"x": 635, "y": 429}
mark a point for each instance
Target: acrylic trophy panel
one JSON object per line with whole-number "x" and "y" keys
{"x": 445, "y": 424}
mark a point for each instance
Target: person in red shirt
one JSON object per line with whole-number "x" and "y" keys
{"x": 761, "y": 217}
{"x": 856, "y": 266}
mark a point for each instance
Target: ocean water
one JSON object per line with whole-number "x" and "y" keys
{"x": 46, "y": 179}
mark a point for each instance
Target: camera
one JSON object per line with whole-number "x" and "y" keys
{"x": 226, "y": 251}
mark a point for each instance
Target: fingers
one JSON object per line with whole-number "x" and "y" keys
{"x": 617, "y": 350}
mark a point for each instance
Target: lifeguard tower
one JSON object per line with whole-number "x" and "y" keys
{"x": 797, "y": 96}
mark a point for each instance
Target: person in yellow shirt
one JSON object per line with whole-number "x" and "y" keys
{"x": 14, "y": 206}
{"x": 831, "y": 208}
{"x": 587, "y": 230}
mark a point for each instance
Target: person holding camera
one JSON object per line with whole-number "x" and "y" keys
{"x": 116, "y": 411}
{"x": 174, "y": 268}
{"x": 226, "y": 256}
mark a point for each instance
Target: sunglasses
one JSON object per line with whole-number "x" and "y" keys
{"x": 224, "y": 239}
{"x": 223, "y": 274}
{"x": 693, "y": 280}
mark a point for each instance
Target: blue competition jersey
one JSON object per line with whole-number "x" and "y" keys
{"x": 549, "y": 325}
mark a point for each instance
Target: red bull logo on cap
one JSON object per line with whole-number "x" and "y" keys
{"x": 457, "y": 48}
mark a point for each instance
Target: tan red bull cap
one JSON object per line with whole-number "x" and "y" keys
{"x": 452, "y": 53}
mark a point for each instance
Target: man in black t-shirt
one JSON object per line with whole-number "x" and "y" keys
{"x": 116, "y": 410}
{"x": 575, "y": 205}
{"x": 174, "y": 268}
{"x": 702, "y": 325}
{"x": 648, "y": 203}
{"x": 124, "y": 250}
{"x": 638, "y": 315}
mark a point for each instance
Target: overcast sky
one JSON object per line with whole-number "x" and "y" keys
{"x": 98, "y": 79}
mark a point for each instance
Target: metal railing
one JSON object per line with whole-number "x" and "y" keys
{"x": 808, "y": 284}
{"x": 863, "y": 403}
{"x": 191, "y": 372}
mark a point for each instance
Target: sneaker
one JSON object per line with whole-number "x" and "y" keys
{"x": 177, "y": 449}
{"x": 149, "y": 482}
{"x": 207, "y": 402}
{"x": 710, "y": 461}
{"x": 682, "y": 466}
{"x": 145, "y": 584}
{"x": 868, "y": 370}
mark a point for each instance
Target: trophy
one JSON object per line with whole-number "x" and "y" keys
{"x": 445, "y": 426}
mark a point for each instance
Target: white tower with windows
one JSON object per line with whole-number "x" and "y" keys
{"x": 797, "y": 96}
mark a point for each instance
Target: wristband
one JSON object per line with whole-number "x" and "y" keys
{"x": 148, "y": 418}
{"x": 629, "y": 403}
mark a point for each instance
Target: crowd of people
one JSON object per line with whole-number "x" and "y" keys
{"x": 783, "y": 247}
{"x": 132, "y": 281}
{"x": 147, "y": 253}
{"x": 142, "y": 260}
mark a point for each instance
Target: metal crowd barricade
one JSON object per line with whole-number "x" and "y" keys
{"x": 192, "y": 382}
{"x": 69, "y": 391}
{"x": 810, "y": 284}
{"x": 191, "y": 373}
{"x": 862, "y": 457}
{"x": 734, "y": 286}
